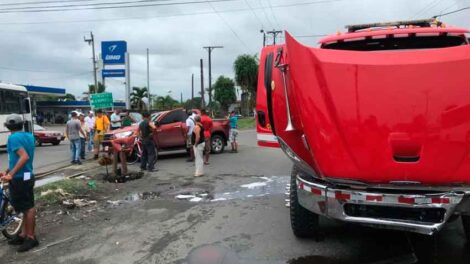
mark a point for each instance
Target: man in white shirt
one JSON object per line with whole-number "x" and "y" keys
{"x": 190, "y": 124}
{"x": 90, "y": 121}
{"x": 116, "y": 120}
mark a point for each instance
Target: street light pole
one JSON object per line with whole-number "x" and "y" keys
{"x": 274, "y": 33}
{"x": 91, "y": 41}
{"x": 209, "y": 50}
{"x": 264, "y": 37}
{"x": 148, "y": 81}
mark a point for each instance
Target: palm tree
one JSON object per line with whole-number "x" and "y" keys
{"x": 138, "y": 93}
{"x": 246, "y": 76}
{"x": 92, "y": 89}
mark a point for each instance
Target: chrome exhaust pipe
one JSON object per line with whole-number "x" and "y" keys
{"x": 283, "y": 69}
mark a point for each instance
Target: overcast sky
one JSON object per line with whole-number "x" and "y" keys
{"x": 47, "y": 49}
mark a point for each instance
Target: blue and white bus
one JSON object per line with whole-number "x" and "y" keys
{"x": 14, "y": 99}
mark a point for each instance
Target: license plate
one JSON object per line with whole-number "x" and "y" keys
{"x": 106, "y": 148}
{"x": 59, "y": 138}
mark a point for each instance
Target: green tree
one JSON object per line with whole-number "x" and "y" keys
{"x": 165, "y": 103}
{"x": 224, "y": 92}
{"x": 69, "y": 97}
{"x": 194, "y": 103}
{"x": 137, "y": 96}
{"x": 92, "y": 89}
{"x": 246, "y": 76}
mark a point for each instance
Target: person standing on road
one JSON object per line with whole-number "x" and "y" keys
{"x": 127, "y": 119}
{"x": 90, "y": 121}
{"x": 83, "y": 138}
{"x": 116, "y": 120}
{"x": 149, "y": 155}
{"x": 190, "y": 123}
{"x": 101, "y": 127}
{"x": 20, "y": 174}
{"x": 207, "y": 124}
{"x": 198, "y": 143}
{"x": 73, "y": 131}
{"x": 233, "y": 134}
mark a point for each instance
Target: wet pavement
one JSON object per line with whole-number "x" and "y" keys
{"x": 234, "y": 214}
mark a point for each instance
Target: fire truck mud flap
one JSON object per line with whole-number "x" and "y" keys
{"x": 423, "y": 212}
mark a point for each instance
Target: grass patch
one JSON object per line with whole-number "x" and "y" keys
{"x": 56, "y": 192}
{"x": 246, "y": 123}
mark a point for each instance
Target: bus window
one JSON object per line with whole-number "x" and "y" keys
{"x": 12, "y": 102}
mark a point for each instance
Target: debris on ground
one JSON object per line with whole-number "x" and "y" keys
{"x": 56, "y": 191}
{"x": 92, "y": 184}
{"x": 78, "y": 203}
{"x": 83, "y": 177}
{"x": 122, "y": 178}
{"x": 114, "y": 203}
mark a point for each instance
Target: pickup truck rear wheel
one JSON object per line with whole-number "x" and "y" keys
{"x": 217, "y": 144}
{"x": 466, "y": 226}
{"x": 304, "y": 223}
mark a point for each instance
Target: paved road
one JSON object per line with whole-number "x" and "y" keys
{"x": 243, "y": 221}
{"x": 46, "y": 156}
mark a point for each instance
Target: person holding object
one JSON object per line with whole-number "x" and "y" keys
{"x": 83, "y": 138}
{"x": 198, "y": 143}
{"x": 233, "y": 134}
{"x": 116, "y": 120}
{"x": 149, "y": 155}
{"x": 101, "y": 127}
{"x": 190, "y": 123}
{"x": 90, "y": 121}
{"x": 207, "y": 123}
{"x": 73, "y": 131}
{"x": 20, "y": 175}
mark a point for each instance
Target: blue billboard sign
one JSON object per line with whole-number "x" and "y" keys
{"x": 107, "y": 73}
{"x": 113, "y": 52}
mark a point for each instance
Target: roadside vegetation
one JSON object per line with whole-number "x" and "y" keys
{"x": 246, "y": 123}
{"x": 56, "y": 192}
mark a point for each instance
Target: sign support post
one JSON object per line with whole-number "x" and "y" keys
{"x": 128, "y": 82}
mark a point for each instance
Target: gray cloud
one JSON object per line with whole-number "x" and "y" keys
{"x": 54, "y": 54}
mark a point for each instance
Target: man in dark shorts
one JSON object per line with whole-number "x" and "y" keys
{"x": 149, "y": 155}
{"x": 20, "y": 147}
{"x": 207, "y": 123}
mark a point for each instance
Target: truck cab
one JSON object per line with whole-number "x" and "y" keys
{"x": 375, "y": 121}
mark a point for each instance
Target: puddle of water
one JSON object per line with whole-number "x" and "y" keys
{"x": 142, "y": 196}
{"x": 267, "y": 185}
{"x": 47, "y": 180}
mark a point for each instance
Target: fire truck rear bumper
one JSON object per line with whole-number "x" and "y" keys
{"x": 423, "y": 212}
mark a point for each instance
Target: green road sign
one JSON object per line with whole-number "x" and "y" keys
{"x": 102, "y": 100}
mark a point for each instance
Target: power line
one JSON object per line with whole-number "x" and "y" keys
{"x": 110, "y": 7}
{"x": 430, "y": 6}
{"x": 263, "y": 8}
{"x": 254, "y": 13}
{"x": 274, "y": 15}
{"x": 228, "y": 25}
{"x": 452, "y": 12}
{"x": 83, "y": 5}
{"x": 44, "y": 2}
{"x": 166, "y": 16}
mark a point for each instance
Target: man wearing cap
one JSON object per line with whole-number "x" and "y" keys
{"x": 90, "y": 121}
{"x": 20, "y": 147}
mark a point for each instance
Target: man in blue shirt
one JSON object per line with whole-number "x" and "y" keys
{"x": 20, "y": 147}
{"x": 233, "y": 131}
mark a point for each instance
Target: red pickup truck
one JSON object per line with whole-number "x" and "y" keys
{"x": 376, "y": 122}
{"x": 171, "y": 132}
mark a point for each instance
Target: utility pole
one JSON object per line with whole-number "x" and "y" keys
{"x": 202, "y": 84}
{"x": 192, "y": 88}
{"x": 91, "y": 41}
{"x": 209, "y": 50}
{"x": 181, "y": 98}
{"x": 148, "y": 81}
{"x": 264, "y": 37}
{"x": 274, "y": 33}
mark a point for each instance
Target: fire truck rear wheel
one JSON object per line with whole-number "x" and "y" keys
{"x": 466, "y": 226}
{"x": 303, "y": 222}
